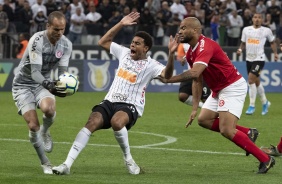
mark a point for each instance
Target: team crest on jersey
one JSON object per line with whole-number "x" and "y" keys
{"x": 221, "y": 103}
{"x": 59, "y": 54}
{"x": 140, "y": 64}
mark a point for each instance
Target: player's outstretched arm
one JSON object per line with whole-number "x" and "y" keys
{"x": 193, "y": 73}
{"x": 172, "y": 47}
{"x": 128, "y": 20}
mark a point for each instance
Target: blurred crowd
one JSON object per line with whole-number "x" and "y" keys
{"x": 87, "y": 20}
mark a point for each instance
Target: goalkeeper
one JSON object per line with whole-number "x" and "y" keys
{"x": 33, "y": 88}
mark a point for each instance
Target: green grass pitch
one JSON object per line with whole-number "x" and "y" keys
{"x": 167, "y": 152}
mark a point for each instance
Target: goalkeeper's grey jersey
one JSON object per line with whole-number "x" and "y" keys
{"x": 41, "y": 52}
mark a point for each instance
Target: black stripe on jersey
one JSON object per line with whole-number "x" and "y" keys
{"x": 144, "y": 72}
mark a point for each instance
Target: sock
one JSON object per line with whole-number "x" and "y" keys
{"x": 122, "y": 139}
{"x": 36, "y": 141}
{"x": 279, "y": 146}
{"x": 215, "y": 127}
{"x": 201, "y": 104}
{"x": 252, "y": 94}
{"x": 261, "y": 94}
{"x": 189, "y": 100}
{"x": 79, "y": 143}
{"x": 245, "y": 130}
{"x": 243, "y": 141}
{"x": 47, "y": 122}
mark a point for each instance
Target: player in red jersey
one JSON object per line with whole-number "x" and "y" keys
{"x": 223, "y": 108}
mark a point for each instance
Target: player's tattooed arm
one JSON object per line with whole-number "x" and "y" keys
{"x": 193, "y": 73}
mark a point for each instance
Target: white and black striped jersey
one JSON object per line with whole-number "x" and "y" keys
{"x": 132, "y": 78}
{"x": 255, "y": 39}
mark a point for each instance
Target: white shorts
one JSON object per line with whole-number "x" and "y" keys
{"x": 230, "y": 98}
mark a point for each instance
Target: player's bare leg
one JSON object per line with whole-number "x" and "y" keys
{"x": 36, "y": 140}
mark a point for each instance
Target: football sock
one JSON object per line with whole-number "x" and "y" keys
{"x": 245, "y": 130}
{"x": 36, "y": 141}
{"x": 79, "y": 143}
{"x": 215, "y": 127}
{"x": 47, "y": 122}
{"x": 279, "y": 146}
{"x": 189, "y": 100}
{"x": 201, "y": 104}
{"x": 243, "y": 141}
{"x": 252, "y": 94}
{"x": 261, "y": 94}
{"x": 122, "y": 139}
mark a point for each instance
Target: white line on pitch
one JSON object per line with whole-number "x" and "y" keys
{"x": 139, "y": 147}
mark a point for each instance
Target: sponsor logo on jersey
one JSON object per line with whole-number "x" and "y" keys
{"x": 202, "y": 44}
{"x": 127, "y": 75}
{"x": 34, "y": 44}
{"x": 253, "y": 41}
{"x": 119, "y": 97}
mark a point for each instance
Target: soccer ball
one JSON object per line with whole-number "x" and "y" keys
{"x": 70, "y": 82}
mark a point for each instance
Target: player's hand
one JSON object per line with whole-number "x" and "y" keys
{"x": 275, "y": 57}
{"x": 130, "y": 19}
{"x": 173, "y": 43}
{"x": 55, "y": 87}
{"x": 183, "y": 61}
{"x": 239, "y": 51}
{"x": 48, "y": 84}
{"x": 162, "y": 79}
{"x": 59, "y": 89}
{"x": 191, "y": 118}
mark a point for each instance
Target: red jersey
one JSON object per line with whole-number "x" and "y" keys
{"x": 220, "y": 72}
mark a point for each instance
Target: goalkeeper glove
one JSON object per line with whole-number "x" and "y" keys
{"x": 55, "y": 87}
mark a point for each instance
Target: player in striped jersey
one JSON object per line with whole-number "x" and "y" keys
{"x": 33, "y": 87}
{"x": 125, "y": 100}
{"x": 254, "y": 38}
